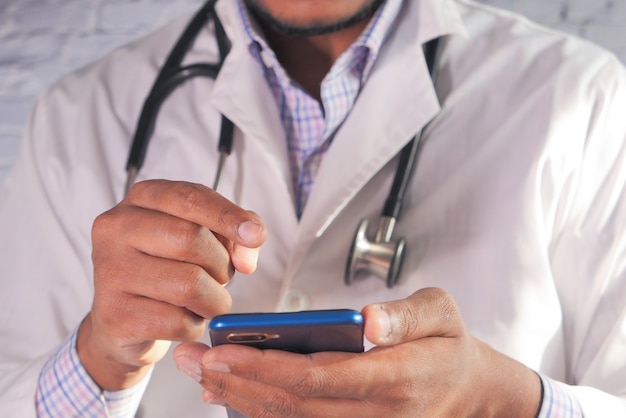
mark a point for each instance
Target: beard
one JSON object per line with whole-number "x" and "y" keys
{"x": 311, "y": 29}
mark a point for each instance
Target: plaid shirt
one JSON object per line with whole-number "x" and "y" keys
{"x": 309, "y": 125}
{"x": 65, "y": 389}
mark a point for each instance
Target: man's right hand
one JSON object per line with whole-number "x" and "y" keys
{"x": 161, "y": 258}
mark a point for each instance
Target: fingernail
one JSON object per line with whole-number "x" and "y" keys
{"x": 190, "y": 367}
{"x": 384, "y": 323}
{"x": 249, "y": 231}
{"x": 210, "y": 398}
{"x": 217, "y": 366}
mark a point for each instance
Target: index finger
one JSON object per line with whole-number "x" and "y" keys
{"x": 201, "y": 205}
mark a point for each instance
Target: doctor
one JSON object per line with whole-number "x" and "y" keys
{"x": 512, "y": 300}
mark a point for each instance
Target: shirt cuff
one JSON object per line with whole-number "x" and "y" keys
{"x": 66, "y": 389}
{"x": 124, "y": 403}
{"x": 558, "y": 400}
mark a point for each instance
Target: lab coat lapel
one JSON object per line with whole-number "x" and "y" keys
{"x": 398, "y": 100}
{"x": 242, "y": 94}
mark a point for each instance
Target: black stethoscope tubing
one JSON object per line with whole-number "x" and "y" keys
{"x": 172, "y": 75}
{"x": 408, "y": 154}
{"x": 382, "y": 256}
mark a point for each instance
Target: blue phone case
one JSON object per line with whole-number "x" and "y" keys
{"x": 299, "y": 332}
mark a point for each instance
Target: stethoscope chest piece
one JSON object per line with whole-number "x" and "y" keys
{"x": 381, "y": 257}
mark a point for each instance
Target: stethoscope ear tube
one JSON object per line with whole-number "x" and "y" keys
{"x": 406, "y": 164}
{"x": 172, "y": 75}
{"x": 224, "y": 147}
{"x": 383, "y": 257}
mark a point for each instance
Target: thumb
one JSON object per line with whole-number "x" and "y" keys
{"x": 188, "y": 359}
{"x": 429, "y": 312}
{"x": 244, "y": 259}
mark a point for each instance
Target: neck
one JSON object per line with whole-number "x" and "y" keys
{"x": 307, "y": 59}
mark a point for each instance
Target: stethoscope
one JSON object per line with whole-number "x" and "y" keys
{"x": 382, "y": 256}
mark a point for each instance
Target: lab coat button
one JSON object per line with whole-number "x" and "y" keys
{"x": 295, "y": 300}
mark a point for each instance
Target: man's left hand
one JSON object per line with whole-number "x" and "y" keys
{"x": 425, "y": 364}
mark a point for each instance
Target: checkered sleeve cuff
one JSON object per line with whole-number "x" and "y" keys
{"x": 65, "y": 389}
{"x": 558, "y": 401}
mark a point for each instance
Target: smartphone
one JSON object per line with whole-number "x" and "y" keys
{"x": 301, "y": 332}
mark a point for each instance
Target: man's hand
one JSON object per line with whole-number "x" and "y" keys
{"x": 425, "y": 365}
{"x": 161, "y": 258}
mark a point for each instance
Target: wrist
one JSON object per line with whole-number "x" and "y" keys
{"x": 102, "y": 365}
{"x": 512, "y": 388}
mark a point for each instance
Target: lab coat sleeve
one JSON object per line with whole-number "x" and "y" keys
{"x": 588, "y": 254}
{"x": 45, "y": 289}
{"x": 70, "y": 169}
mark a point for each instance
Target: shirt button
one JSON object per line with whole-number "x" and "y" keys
{"x": 295, "y": 300}
{"x": 267, "y": 59}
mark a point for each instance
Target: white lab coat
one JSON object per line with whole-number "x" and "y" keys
{"x": 517, "y": 207}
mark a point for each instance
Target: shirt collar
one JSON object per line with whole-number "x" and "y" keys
{"x": 359, "y": 57}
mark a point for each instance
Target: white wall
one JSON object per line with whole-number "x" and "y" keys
{"x": 42, "y": 39}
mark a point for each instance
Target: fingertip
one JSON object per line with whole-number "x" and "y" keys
{"x": 378, "y": 328}
{"x": 244, "y": 259}
{"x": 188, "y": 356}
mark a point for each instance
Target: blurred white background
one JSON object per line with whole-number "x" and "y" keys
{"x": 40, "y": 40}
